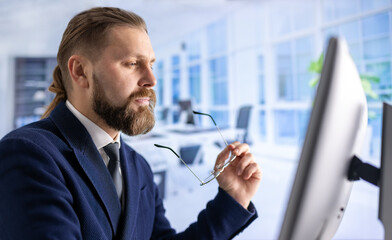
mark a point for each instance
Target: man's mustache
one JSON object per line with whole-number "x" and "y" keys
{"x": 144, "y": 93}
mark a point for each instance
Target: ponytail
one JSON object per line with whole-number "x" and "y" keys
{"x": 56, "y": 87}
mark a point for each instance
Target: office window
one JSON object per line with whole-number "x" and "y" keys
{"x": 219, "y": 84}
{"x": 290, "y": 127}
{"x": 261, "y": 71}
{"x": 159, "y": 75}
{"x": 292, "y": 61}
{"x": 303, "y": 48}
{"x": 193, "y": 47}
{"x": 281, "y": 19}
{"x": 217, "y": 37}
{"x": 303, "y": 118}
{"x": 221, "y": 118}
{"x": 374, "y": 48}
{"x": 375, "y": 124}
{"x": 303, "y": 15}
{"x": 217, "y": 68}
{"x": 175, "y": 79}
{"x": 286, "y": 129}
{"x": 337, "y": 9}
{"x": 195, "y": 83}
{"x": 376, "y": 36}
{"x": 284, "y": 71}
{"x": 377, "y": 52}
{"x": 193, "y": 51}
{"x": 291, "y": 16}
{"x": 262, "y": 125}
{"x": 32, "y": 79}
{"x": 351, "y": 32}
{"x": 383, "y": 71}
{"x": 367, "y": 5}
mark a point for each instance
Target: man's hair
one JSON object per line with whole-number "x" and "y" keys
{"x": 86, "y": 33}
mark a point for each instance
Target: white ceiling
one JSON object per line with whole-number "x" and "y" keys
{"x": 166, "y": 19}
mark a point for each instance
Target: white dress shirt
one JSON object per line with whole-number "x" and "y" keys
{"x": 99, "y": 136}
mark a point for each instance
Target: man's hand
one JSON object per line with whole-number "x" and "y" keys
{"x": 242, "y": 177}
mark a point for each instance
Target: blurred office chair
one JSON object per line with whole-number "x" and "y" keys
{"x": 242, "y": 133}
{"x": 181, "y": 178}
{"x": 192, "y": 154}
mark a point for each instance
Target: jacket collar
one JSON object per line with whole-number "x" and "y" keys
{"x": 89, "y": 159}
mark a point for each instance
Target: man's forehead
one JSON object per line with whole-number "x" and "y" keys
{"x": 130, "y": 42}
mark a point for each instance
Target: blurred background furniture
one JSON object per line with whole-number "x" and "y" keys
{"x": 241, "y": 128}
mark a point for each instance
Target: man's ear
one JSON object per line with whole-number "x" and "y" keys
{"x": 77, "y": 70}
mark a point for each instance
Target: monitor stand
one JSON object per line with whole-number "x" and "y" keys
{"x": 381, "y": 177}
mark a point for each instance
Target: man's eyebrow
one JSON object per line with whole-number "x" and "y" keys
{"x": 136, "y": 56}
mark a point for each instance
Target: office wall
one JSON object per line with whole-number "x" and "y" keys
{"x": 27, "y": 30}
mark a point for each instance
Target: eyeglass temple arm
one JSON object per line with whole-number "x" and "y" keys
{"x": 205, "y": 114}
{"x": 161, "y": 146}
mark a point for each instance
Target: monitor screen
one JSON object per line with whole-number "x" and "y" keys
{"x": 186, "y": 111}
{"x": 335, "y": 132}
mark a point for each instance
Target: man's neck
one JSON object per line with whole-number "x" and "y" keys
{"x": 93, "y": 117}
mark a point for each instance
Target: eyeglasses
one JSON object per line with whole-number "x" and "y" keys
{"x": 218, "y": 169}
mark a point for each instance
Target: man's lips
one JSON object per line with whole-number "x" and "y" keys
{"x": 143, "y": 101}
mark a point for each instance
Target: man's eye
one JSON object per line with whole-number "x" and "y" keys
{"x": 132, "y": 63}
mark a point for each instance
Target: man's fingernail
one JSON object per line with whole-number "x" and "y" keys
{"x": 236, "y": 151}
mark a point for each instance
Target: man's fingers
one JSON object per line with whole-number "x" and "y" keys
{"x": 225, "y": 153}
{"x": 243, "y": 162}
{"x": 237, "y": 148}
{"x": 252, "y": 170}
{"x": 240, "y": 149}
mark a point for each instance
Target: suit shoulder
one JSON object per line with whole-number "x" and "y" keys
{"x": 42, "y": 132}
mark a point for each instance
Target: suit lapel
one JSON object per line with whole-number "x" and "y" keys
{"x": 95, "y": 169}
{"x": 131, "y": 191}
{"x": 90, "y": 160}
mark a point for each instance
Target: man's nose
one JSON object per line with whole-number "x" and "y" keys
{"x": 148, "y": 79}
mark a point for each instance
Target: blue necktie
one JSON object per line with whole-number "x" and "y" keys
{"x": 112, "y": 150}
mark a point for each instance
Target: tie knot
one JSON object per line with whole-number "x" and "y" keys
{"x": 112, "y": 150}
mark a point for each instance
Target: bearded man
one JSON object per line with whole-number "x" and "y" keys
{"x": 70, "y": 176}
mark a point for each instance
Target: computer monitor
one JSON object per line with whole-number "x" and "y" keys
{"x": 335, "y": 133}
{"x": 385, "y": 198}
{"x": 186, "y": 109}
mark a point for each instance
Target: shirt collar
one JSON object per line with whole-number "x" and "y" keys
{"x": 99, "y": 136}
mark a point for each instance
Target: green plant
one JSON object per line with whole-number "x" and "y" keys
{"x": 366, "y": 80}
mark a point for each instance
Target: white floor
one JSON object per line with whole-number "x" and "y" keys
{"x": 185, "y": 198}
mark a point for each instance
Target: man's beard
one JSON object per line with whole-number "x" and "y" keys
{"x": 124, "y": 118}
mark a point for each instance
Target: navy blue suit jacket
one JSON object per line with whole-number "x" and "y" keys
{"x": 55, "y": 185}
